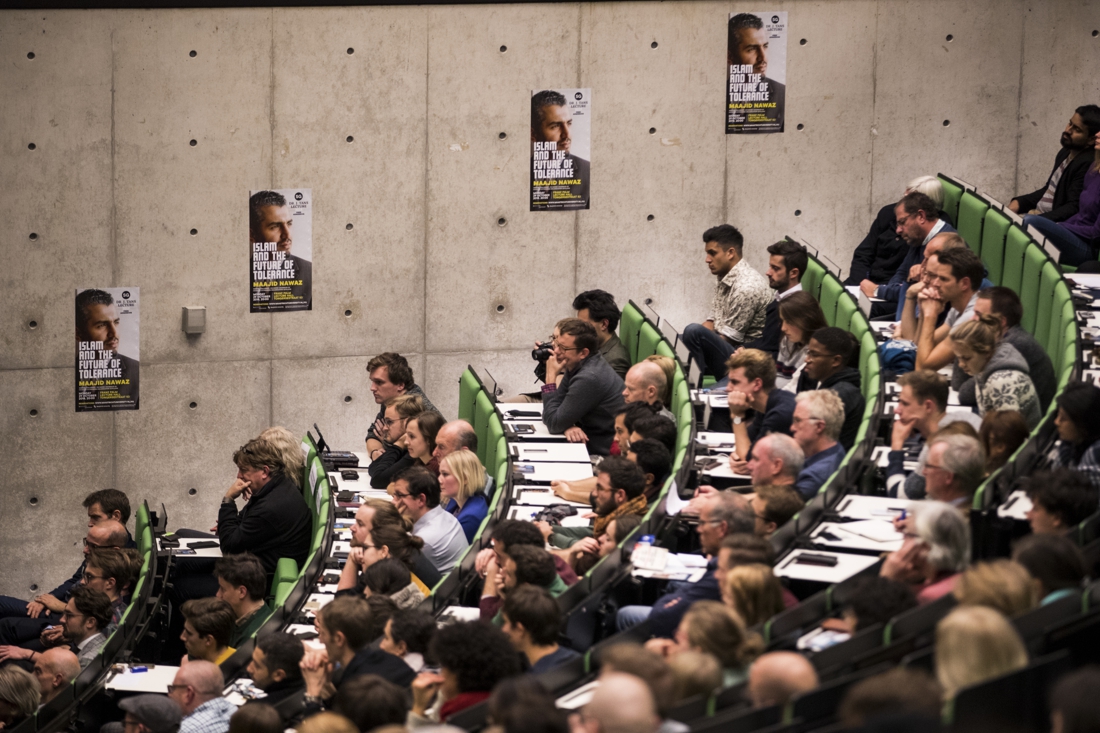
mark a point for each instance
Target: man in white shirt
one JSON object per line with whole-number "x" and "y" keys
{"x": 956, "y": 277}
{"x": 416, "y": 496}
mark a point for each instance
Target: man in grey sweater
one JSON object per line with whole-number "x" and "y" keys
{"x": 587, "y": 394}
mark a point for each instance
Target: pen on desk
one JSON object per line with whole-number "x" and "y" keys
{"x": 903, "y": 515}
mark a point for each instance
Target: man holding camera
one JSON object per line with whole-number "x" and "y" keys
{"x": 586, "y": 394}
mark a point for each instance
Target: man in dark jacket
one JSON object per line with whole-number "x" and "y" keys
{"x": 275, "y": 668}
{"x": 587, "y": 394}
{"x": 827, "y": 368}
{"x": 1058, "y": 199}
{"x": 786, "y": 263}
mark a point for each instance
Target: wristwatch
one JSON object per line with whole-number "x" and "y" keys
{"x": 738, "y": 420}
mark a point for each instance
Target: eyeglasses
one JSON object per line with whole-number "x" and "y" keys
{"x": 562, "y": 348}
{"x": 66, "y": 614}
{"x": 712, "y": 521}
{"x": 391, "y": 421}
{"x": 818, "y": 355}
{"x": 88, "y": 577}
{"x": 799, "y": 420}
{"x": 399, "y": 495}
{"x": 938, "y": 468}
{"x": 177, "y": 687}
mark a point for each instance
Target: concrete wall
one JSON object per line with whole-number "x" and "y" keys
{"x": 112, "y": 190}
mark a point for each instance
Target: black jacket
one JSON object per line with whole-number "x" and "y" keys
{"x": 846, "y": 384}
{"x": 288, "y": 698}
{"x": 882, "y": 251}
{"x": 769, "y": 339}
{"x": 1067, "y": 193}
{"x": 385, "y": 467}
{"x": 275, "y": 523}
{"x": 375, "y": 661}
{"x": 589, "y": 396}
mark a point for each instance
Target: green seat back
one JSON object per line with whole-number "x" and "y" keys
{"x": 468, "y": 388}
{"x": 994, "y": 232}
{"x": 969, "y": 223}
{"x": 145, "y": 540}
{"x": 1049, "y": 275}
{"x": 683, "y": 427}
{"x": 868, "y": 353}
{"x": 495, "y": 439}
{"x": 141, "y": 518}
{"x": 952, "y": 193}
{"x": 846, "y": 309}
{"x": 286, "y": 574}
{"x": 680, "y": 396}
{"x": 629, "y": 326}
{"x": 663, "y": 349}
{"x": 648, "y": 338}
{"x": 1061, "y": 314}
{"x": 1016, "y": 243}
{"x": 811, "y": 282}
{"x": 483, "y": 408}
{"x": 1034, "y": 259}
{"x": 830, "y": 295}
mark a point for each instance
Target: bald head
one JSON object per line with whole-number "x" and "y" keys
{"x": 777, "y": 677}
{"x": 454, "y": 435}
{"x": 644, "y": 382}
{"x": 55, "y": 669}
{"x": 621, "y": 704}
{"x": 205, "y": 681}
{"x": 108, "y": 533}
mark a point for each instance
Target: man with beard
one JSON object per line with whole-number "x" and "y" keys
{"x": 552, "y": 122}
{"x": 269, "y": 220}
{"x": 620, "y": 490}
{"x": 786, "y": 263}
{"x": 748, "y": 46}
{"x": 1058, "y": 199}
{"x": 97, "y": 321}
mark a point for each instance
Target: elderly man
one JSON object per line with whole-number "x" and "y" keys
{"x": 55, "y": 669}
{"x": 776, "y": 460}
{"x": 777, "y": 678}
{"x": 622, "y": 703}
{"x": 818, "y": 418}
{"x": 453, "y": 436}
{"x": 954, "y": 470}
{"x": 197, "y": 689}
{"x": 646, "y": 382}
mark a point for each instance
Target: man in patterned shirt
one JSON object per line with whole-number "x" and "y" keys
{"x": 197, "y": 689}
{"x": 737, "y": 311}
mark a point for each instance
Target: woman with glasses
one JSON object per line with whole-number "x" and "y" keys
{"x": 396, "y": 415}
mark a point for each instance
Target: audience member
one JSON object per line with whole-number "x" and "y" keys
{"x": 1060, "y": 500}
{"x": 738, "y": 308}
{"x": 256, "y": 717}
{"x": 751, "y": 387}
{"x": 622, "y": 703}
{"x": 454, "y": 436}
{"x": 523, "y": 565}
{"x": 275, "y": 668}
{"x": 420, "y": 432}
{"x": 1002, "y": 433}
{"x": 646, "y": 382}
{"x": 827, "y": 359}
{"x": 523, "y": 705}
{"x": 390, "y": 376}
{"x": 197, "y": 689}
{"x": 1002, "y": 585}
{"x": 633, "y": 659}
{"x": 392, "y": 578}
{"x": 753, "y": 592}
{"x": 416, "y": 496}
{"x": 1077, "y": 237}
{"x": 1078, "y": 423}
{"x": 394, "y": 539}
{"x": 382, "y": 609}
{"x": 655, "y": 460}
{"x": 370, "y": 702}
{"x": 84, "y": 621}
{"x": 148, "y": 714}
{"x": 110, "y": 505}
{"x": 532, "y": 622}
{"x": 19, "y": 696}
{"x": 112, "y": 570}
{"x": 394, "y": 458}
{"x": 653, "y": 427}
{"x": 598, "y": 309}
{"x": 899, "y": 691}
{"x": 776, "y": 678}
{"x": 1004, "y": 305}
{"x": 1054, "y": 562}
{"x": 713, "y": 628}
{"x": 55, "y": 669}
{"x": 954, "y": 469}
{"x": 1075, "y": 702}
{"x": 513, "y": 533}
{"x": 818, "y": 419}
{"x": 327, "y": 723}
{"x": 461, "y": 483}
{"x": 975, "y": 644}
{"x": 869, "y": 601}
{"x": 243, "y": 585}
{"x": 289, "y": 446}
{"x": 786, "y": 264}
{"x": 668, "y": 366}
{"x": 800, "y": 317}
{"x": 588, "y": 393}
{"x": 909, "y": 312}
{"x": 408, "y": 636}
{"x": 694, "y": 673}
{"x": 774, "y": 506}
{"x": 620, "y": 490}
{"x": 956, "y": 275}
{"x": 1001, "y": 381}
{"x": 1059, "y": 198}
{"x": 777, "y": 460}
{"x": 935, "y": 551}
{"x": 583, "y": 559}
{"x": 208, "y": 626}
{"x": 881, "y": 252}
{"x": 473, "y": 657}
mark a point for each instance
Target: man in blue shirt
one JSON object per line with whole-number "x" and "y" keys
{"x": 818, "y": 418}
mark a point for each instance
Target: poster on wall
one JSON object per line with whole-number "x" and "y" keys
{"x": 561, "y": 149}
{"x": 756, "y": 54}
{"x": 280, "y": 230}
{"x": 107, "y": 349}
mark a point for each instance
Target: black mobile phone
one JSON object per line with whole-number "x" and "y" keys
{"x": 809, "y": 558}
{"x": 349, "y": 475}
{"x": 204, "y": 545}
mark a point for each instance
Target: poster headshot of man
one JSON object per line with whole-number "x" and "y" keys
{"x": 552, "y": 121}
{"x": 97, "y": 319}
{"x": 269, "y": 220}
{"x": 748, "y": 45}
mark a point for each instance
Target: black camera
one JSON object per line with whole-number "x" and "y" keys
{"x": 541, "y": 354}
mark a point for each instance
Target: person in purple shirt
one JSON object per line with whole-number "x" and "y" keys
{"x": 1078, "y": 237}
{"x": 818, "y": 418}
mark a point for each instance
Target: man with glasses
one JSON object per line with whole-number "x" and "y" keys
{"x": 586, "y": 395}
{"x": 197, "y": 689}
{"x": 816, "y": 424}
{"x": 827, "y": 357}
{"x": 394, "y": 458}
{"x": 954, "y": 470}
{"x": 85, "y": 617}
{"x": 416, "y": 496}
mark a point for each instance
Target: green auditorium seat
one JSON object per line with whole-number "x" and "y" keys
{"x": 483, "y": 408}
{"x": 1048, "y": 276}
{"x": 845, "y": 310}
{"x": 831, "y": 290}
{"x": 648, "y": 338}
{"x": 972, "y": 212}
{"x": 952, "y": 194}
{"x": 1034, "y": 259}
{"x": 1016, "y": 242}
{"x": 811, "y": 281}
{"x": 629, "y": 326}
{"x": 994, "y": 232}
{"x": 495, "y": 441}
{"x": 663, "y": 349}
{"x": 286, "y": 575}
{"x": 467, "y": 394}
{"x": 680, "y": 394}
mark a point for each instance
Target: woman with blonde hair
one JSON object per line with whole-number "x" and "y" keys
{"x": 1002, "y": 585}
{"x": 975, "y": 644}
{"x": 1002, "y": 380}
{"x": 712, "y": 628}
{"x": 668, "y": 366}
{"x": 753, "y": 592}
{"x": 461, "y": 484}
{"x": 290, "y": 448}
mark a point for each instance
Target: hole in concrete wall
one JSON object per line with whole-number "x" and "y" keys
{"x": 192, "y": 492}
{"x": 194, "y": 143}
{"x": 653, "y": 131}
{"x": 34, "y": 586}
{"x": 193, "y": 405}
{"x": 802, "y": 42}
{"x": 653, "y": 45}
{"x": 34, "y": 413}
{"x": 502, "y": 222}
{"x": 503, "y": 49}
{"x": 351, "y": 139}
{"x": 650, "y": 217}
{"x": 500, "y": 308}
{"x": 32, "y": 146}
{"x": 347, "y": 398}
{"x": 950, "y": 38}
{"x": 502, "y": 135}
{"x": 351, "y": 51}
{"x": 34, "y": 236}
{"x": 347, "y": 312}
{"x": 798, "y": 212}
{"x": 349, "y": 227}
{"x": 34, "y": 501}
{"x": 947, "y": 123}
{"x": 800, "y": 126}
{"x": 31, "y": 54}
{"x": 1094, "y": 35}
{"x": 648, "y": 301}
{"x": 193, "y": 54}
{"x": 194, "y": 232}
{"x": 32, "y": 324}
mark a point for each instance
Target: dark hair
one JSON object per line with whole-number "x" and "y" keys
{"x": 1090, "y": 115}
{"x": 256, "y": 717}
{"x": 398, "y": 370}
{"x": 583, "y": 333}
{"x": 780, "y": 503}
{"x": 926, "y": 384}
{"x": 736, "y": 23}
{"x": 794, "y": 256}
{"x": 371, "y": 702}
{"x": 110, "y": 500}
{"x": 623, "y": 474}
{"x": 1081, "y": 403}
{"x": 897, "y": 691}
{"x": 1051, "y": 559}
{"x": 748, "y": 549}
{"x": 282, "y": 651}
{"x": 915, "y": 201}
{"x": 600, "y": 305}
{"x": 1004, "y": 302}
{"x": 963, "y": 263}
{"x": 522, "y": 705}
{"x": 421, "y": 482}
{"x": 624, "y": 525}
{"x": 211, "y": 617}
{"x": 477, "y": 654}
{"x": 514, "y": 532}
{"x": 243, "y": 569}
{"x": 257, "y": 202}
{"x": 659, "y": 428}
{"x": 726, "y": 235}
{"x": 387, "y": 576}
{"x": 876, "y": 600}
{"x": 402, "y": 545}
{"x": 534, "y": 565}
{"x": 836, "y": 341}
{"x": 1077, "y": 697}
{"x": 351, "y": 616}
{"x": 382, "y": 609}
{"x": 1063, "y": 492}
{"x": 635, "y": 411}
{"x": 1006, "y": 428}
{"x": 429, "y": 423}
{"x": 653, "y": 457}
{"x": 96, "y": 605}
{"x": 122, "y": 564}
{"x": 85, "y": 300}
{"x": 415, "y": 628}
{"x": 260, "y": 453}
{"x": 545, "y": 98}
{"x": 803, "y": 312}
{"x": 537, "y": 610}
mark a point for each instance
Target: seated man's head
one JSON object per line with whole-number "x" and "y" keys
{"x": 776, "y": 459}
{"x": 598, "y": 308}
{"x": 742, "y": 549}
{"x": 644, "y": 382}
{"x": 575, "y": 343}
{"x": 242, "y": 582}
{"x": 107, "y": 533}
{"x": 723, "y": 246}
{"x": 930, "y": 186}
{"x": 774, "y": 506}
{"x": 107, "y": 504}
{"x": 957, "y": 273}
{"x": 208, "y": 625}
{"x": 415, "y": 492}
{"x": 786, "y": 263}
{"x": 817, "y": 421}
{"x": 1082, "y": 128}
{"x": 655, "y": 460}
{"x": 408, "y": 632}
{"x": 454, "y": 436}
{"x": 777, "y": 678}
{"x": 197, "y": 682}
{"x": 510, "y": 533}
{"x": 343, "y": 626}
{"x": 1060, "y": 500}
{"x": 55, "y": 669}
{"x": 828, "y": 352}
{"x": 1054, "y": 561}
{"x": 653, "y": 427}
{"x": 472, "y": 657}
{"x": 618, "y": 481}
{"x": 86, "y": 614}
{"x": 922, "y": 399}
{"x": 721, "y": 515}
{"x": 397, "y": 413}
{"x": 150, "y": 714}
{"x": 112, "y": 570}
{"x": 902, "y": 690}
{"x": 937, "y": 542}
{"x": 875, "y": 600}
{"x": 751, "y": 372}
{"x": 622, "y": 703}
{"x": 528, "y": 565}
{"x": 1002, "y": 303}
{"x": 915, "y": 214}
{"x": 390, "y": 376}
{"x": 954, "y": 469}
{"x": 276, "y": 658}
{"x": 532, "y": 618}
{"x": 258, "y": 462}
{"x": 372, "y": 703}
